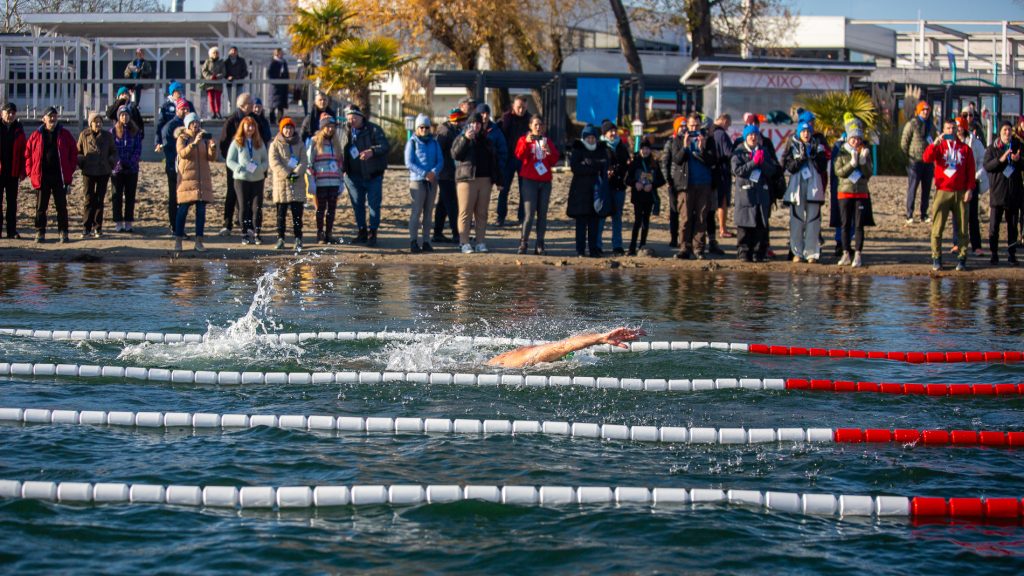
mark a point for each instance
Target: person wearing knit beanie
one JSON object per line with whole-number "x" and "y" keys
{"x": 285, "y": 122}
{"x": 918, "y": 134}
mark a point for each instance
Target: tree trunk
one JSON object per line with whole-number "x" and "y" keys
{"x": 632, "y": 56}
{"x": 698, "y": 24}
{"x": 361, "y": 98}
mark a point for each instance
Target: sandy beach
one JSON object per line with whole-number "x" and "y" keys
{"x": 891, "y": 248}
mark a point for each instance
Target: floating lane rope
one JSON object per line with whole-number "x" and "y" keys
{"x": 990, "y": 510}
{"x": 643, "y": 346}
{"x": 412, "y": 425}
{"x": 224, "y": 377}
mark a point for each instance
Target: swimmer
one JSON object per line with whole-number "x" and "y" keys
{"x": 530, "y": 355}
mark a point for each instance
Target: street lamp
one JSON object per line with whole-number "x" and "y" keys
{"x": 410, "y": 123}
{"x": 638, "y": 131}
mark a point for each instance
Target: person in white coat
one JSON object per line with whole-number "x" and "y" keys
{"x": 805, "y": 161}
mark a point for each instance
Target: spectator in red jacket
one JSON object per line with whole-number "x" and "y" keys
{"x": 536, "y": 155}
{"x": 954, "y": 179}
{"x": 12, "y": 165}
{"x": 51, "y": 156}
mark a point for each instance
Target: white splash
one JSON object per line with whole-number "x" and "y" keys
{"x": 242, "y": 339}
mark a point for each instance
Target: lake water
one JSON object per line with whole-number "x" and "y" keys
{"x": 236, "y": 302}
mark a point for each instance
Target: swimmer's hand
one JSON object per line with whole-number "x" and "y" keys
{"x": 618, "y": 336}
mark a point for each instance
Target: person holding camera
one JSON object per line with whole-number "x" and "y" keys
{"x": 536, "y": 156}
{"x": 476, "y": 169}
{"x": 692, "y": 160}
{"x": 853, "y": 169}
{"x": 51, "y": 156}
{"x": 196, "y": 149}
{"x": 644, "y": 177}
{"x": 589, "y": 161}
{"x": 287, "y": 171}
{"x": 953, "y": 164}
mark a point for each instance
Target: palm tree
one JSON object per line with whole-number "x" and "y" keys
{"x": 316, "y": 31}
{"x": 353, "y": 65}
{"x": 829, "y": 109}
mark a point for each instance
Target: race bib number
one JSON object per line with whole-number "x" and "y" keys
{"x": 855, "y": 176}
{"x": 805, "y": 173}
{"x": 950, "y": 171}
{"x": 292, "y": 163}
{"x": 755, "y": 176}
{"x": 540, "y": 168}
{"x": 1008, "y": 171}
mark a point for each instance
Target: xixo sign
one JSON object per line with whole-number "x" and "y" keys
{"x": 783, "y": 81}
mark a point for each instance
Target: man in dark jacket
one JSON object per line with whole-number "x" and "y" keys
{"x": 51, "y": 157}
{"x": 722, "y": 176}
{"x": 170, "y": 150}
{"x": 12, "y": 165}
{"x": 692, "y": 160}
{"x": 168, "y": 110}
{"x": 259, "y": 113}
{"x": 278, "y": 70}
{"x": 448, "y": 201}
{"x": 498, "y": 142}
{"x": 514, "y": 124}
{"x": 138, "y": 69}
{"x": 235, "y": 70}
{"x": 476, "y": 166}
{"x": 366, "y": 158}
{"x": 243, "y": 108}
{"x": 311, "y": 125}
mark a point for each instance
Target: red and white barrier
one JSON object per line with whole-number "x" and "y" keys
{"x": 927, "y": 509}
{"x": 414, "y": 425}
{"x": 1007, "y": 389}
{"x": 642, "y": 346}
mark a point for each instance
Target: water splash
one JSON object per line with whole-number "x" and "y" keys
{"x": 242, "y": 339}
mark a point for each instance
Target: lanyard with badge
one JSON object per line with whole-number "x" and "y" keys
{"x": 952, "y": 156}
{"x": 538, "y": 152}
{"x": 250, "y": 167}
{"x": 292, "y": 160}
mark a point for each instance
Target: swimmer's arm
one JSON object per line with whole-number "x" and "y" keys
{"x": 529, "y": 355}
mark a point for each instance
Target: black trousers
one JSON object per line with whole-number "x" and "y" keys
{"x": 447, "y": 206}
{"x": 59, "y": 194}
{"x": 9, "y": 194}
{"x": 973, "y": 222}
{"x": 752, "y": 241}
{"x": 326, "y": 205}
{"x": 230, "y": 199}
{"x": 997, "y": 213}
{"x": 172, "y": 197}
{"x": 586, "y": 234}
{"x": 250, "y": 202}
{"x": 641, "y": 223}
{"x": 282, "y": 212}
{"x": 125, "y": 187}
{"x": 95, "y": 193}
{"x": 850, "y": 215}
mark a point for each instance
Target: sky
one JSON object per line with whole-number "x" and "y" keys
{"x": 865, "y": 9}
{"x": 911, "y": 10}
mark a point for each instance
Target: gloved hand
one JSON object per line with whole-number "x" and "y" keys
{"x": 758, "y": 157}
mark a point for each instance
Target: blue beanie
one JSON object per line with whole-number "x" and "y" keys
{"x": 805, "y": 116}
{"x": 803, "y": 125}
{"x": 750, "y": 129}
{"x": 257, "y": 102}
{"x": 589, "y": 130}
{"x": 175, "y": 87}
{"x": 121, "y": 90}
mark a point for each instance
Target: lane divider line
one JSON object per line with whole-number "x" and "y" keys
{"x": 641, "y": 346}
{"x": 988, "y": 510}
{"x": 413, "y": 425}
{"x": 230, "y": 377}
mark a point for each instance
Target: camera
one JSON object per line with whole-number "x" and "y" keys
{"x": 206, "y": 136}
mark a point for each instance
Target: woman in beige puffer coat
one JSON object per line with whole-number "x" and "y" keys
{"x": 288, "y": 174}
{"x": 196, "y": 149}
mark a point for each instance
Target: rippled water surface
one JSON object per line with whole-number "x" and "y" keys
{"x": 236, "y": 302}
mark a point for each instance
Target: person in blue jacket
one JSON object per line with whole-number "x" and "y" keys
{"x": 425, "y": 161}
{"x": 170, "y": 150}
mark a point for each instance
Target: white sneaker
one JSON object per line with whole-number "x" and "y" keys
{"x": 845, "y": 260}
{"x": 224, "y": 232}
{"x": 467, "y": 249}
{"x": 796, "y": 259}
{"x": 909, "y": 222}
{"x": 118, "y": 227}
{"x": 177, "y": 244}
{"x": 856, "y": 260}
{"x": 481, "y": 247}
{"x": 199, "y": 245}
